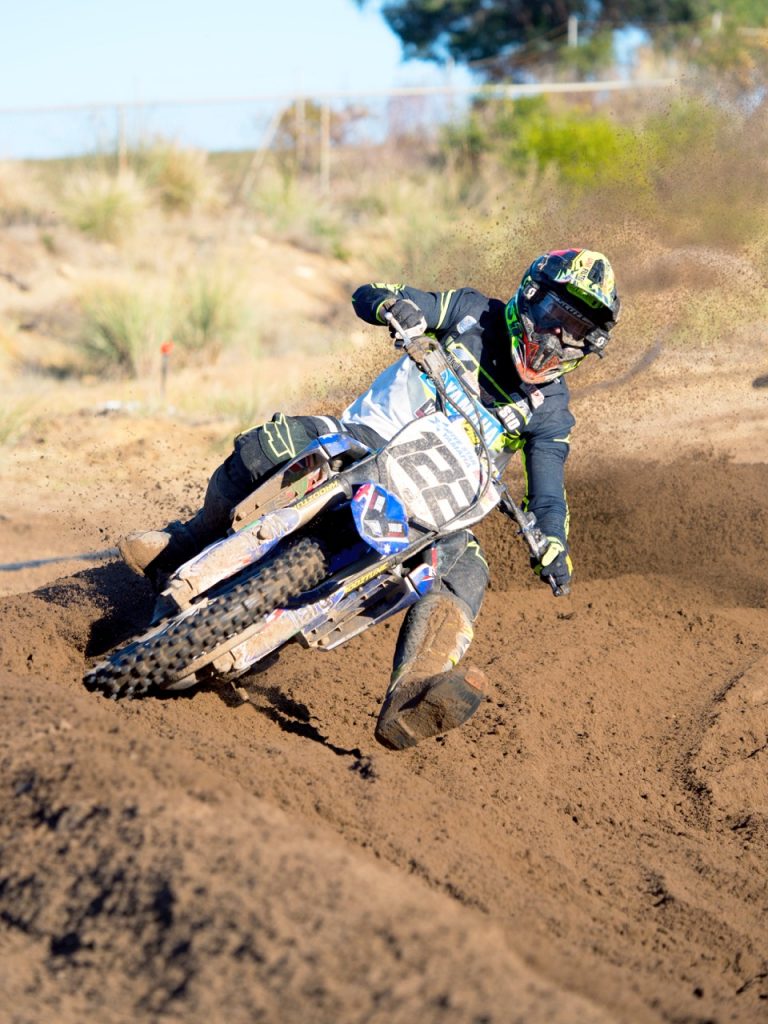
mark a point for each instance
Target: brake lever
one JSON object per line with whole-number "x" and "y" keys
{"x": 431, "y": 366}
{"x": 402, "y": 341}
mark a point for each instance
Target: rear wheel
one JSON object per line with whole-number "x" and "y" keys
{"x": 162, "y": 658}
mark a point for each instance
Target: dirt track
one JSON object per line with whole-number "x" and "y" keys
{"x": 591, "y": 847}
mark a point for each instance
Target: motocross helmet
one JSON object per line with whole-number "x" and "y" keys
{"x": 564, "y": 309}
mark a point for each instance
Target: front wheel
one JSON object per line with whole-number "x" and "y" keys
{"x": 161, "y": 658}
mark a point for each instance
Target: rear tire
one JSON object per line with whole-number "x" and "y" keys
{"x": 162, "y": 658}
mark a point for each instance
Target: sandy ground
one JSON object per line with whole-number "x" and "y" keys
{"x": 592, "y": 846}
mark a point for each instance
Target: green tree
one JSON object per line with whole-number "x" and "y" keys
{"x": 488, "y": 34}
{"x": 506, "y": 38}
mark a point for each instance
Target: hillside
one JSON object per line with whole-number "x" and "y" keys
{"x": 590, "y": 847}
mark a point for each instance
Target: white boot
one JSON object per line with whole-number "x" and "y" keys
{"x": 428, "y": 695}
{"x": 139, "y": 550}
{"x": 158, "y": 553}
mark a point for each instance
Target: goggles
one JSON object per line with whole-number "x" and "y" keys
{"x": 552, "y": 311}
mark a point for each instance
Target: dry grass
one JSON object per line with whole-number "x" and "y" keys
{"x": 122, "y": 329}
{"x": 14, "y": 419}
{"x": 102, "y": 205}
{"x": 179, "y": 179}
{"x": 209, "y": 314}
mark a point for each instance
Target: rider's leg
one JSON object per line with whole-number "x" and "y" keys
{"x": 257, "y": 452}
{"x": 428, "y": 694}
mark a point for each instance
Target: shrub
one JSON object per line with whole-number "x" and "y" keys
{"x": 296, "y": 211}
{"x": 465, "y": 143}
{"x": 120, "y": 330}
{"x": 103, "y": 205}
{"x": 672, "y": 169}
{"x": 180, "y": 179}
{"x": 707, "y": 169}
{"x": 588, "y": 150}
{"x": 209, "y": 315}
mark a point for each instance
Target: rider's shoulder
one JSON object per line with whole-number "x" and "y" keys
{"x": 471, "y": 295}
{"x": 468, "y": 306}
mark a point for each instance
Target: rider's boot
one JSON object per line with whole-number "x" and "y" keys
{"x": 428, "y": 694}
{"x": 158, "y": 553}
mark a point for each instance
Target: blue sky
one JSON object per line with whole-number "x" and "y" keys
{"x": 105, "y": 51}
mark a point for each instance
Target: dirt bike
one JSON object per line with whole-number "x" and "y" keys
{"x": 326, "y": 547}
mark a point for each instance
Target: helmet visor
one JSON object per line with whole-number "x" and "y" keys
{"x": 551, "y": 311}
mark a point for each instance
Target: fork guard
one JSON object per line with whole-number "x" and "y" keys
{"x": 239, "y": 550}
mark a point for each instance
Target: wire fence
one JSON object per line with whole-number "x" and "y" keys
{"x": 255, "y": 122}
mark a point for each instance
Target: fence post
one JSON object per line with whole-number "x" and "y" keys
{"x": 325, "y": 147}
{"x": 300, "y": 111}
{"x": 122, "y": 150}
{"x": 573, "y": 30}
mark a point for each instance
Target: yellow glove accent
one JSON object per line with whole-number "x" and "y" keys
{"x": 555, "y": 548}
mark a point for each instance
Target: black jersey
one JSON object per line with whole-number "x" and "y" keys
{"x": 536, "y": 420}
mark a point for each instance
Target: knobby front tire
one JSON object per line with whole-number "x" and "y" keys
{"x": 162, "y": 659}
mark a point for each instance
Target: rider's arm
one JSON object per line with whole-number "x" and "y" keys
{"x": 544, "y": 452}
{"x": 439, "y": 308}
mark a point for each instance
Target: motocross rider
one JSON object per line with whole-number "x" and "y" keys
{"x": 514, "y": 356}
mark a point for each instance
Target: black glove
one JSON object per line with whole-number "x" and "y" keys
{"x": 408, "y": 315}
{"x": 554, "y": 564}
